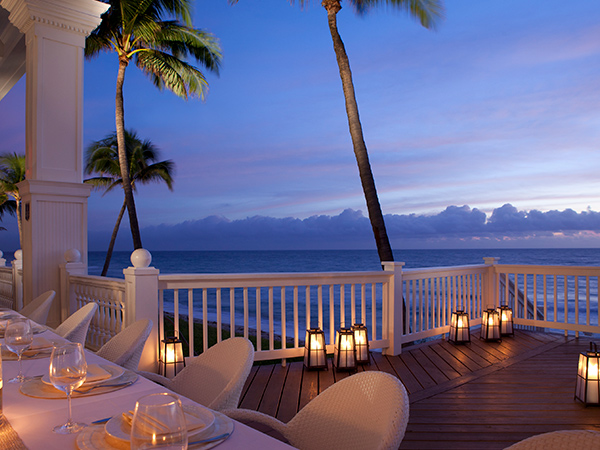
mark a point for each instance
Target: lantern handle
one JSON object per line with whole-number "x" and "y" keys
{"x": 593, "y": 347}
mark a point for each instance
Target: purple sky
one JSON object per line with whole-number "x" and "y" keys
{"x": 499, "y": 106}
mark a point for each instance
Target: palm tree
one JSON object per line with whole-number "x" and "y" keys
{"x": 7, "y": 206}
{"x": 102, "y": 157}
{"x": 137, "y": 31}
{"x": 427, "y": 12}
{"x": 12, "y": 171}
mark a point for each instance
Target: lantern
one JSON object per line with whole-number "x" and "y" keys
{"x": 361, "y": 343}
{"x": 171, "y": 356}
{"x": 344, "y": 356}
{"x": 506, "y": 320}
{"x": 587, "y": 388}
{"x": 314, "y": 349}
{"x": 459, "y": 328}
{"x": 490, "y": 325}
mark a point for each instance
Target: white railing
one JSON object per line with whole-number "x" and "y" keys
{"x": 398, "y": 306}
{"x": 555, "y": 297}
{"x": 109, "y": 295}
{"x": 431, "y": 294}
{"x": 7, "y": 294}
{"x": 278, "y": 307}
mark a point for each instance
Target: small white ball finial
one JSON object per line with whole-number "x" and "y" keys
{"x": 141, "y": 258}
{"x": 19, "y": 254}
{"x": 72, "y": 255}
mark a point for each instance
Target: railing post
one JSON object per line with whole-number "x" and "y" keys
{"x": 141, "y": 302}
{"x": 17, "y": 268}
{"x": 392, "y": 311}
{"x": 2, "y": 260}
{"x": 72, "y": 266}
{"x": 489, "y": 294}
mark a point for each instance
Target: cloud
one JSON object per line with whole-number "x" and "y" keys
{"x": 455, "y": 226}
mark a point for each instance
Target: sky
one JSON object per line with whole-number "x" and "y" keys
{"x": 482, "y": 133}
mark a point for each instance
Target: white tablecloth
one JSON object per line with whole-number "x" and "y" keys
{"x": 34, "y": 418}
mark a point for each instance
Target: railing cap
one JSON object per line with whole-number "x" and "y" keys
{"x": 491, "y": 260}
{"x": 72, "y": 255}
{"x": 141, "y": 258}
{"x": 19, "y": 255}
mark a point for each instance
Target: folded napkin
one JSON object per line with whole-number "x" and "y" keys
{"x": 96, "y": 373}
{"x": 40, "y": 342}
{"x": 151, "y": 425}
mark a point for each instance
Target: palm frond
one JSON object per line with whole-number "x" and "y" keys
{"x": 165, "y": 70}
{"x": 182, "y": 41}
{"x": 427, "y": 12}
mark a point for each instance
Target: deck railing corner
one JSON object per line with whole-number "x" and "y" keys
{"x": 393, "y": 309}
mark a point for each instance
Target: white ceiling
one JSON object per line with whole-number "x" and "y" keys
{"x": 12, "y": 54}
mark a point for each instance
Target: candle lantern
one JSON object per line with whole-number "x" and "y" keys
{"x": 506, "y": 320}
{"x": 344, "y": 352}
{"x": 315, "y": 356}
{"x": 587, "y": 388}
{"x": 361, "y": 343}
{"x": 490, "y": 325}
{"x": 459, "y": 328}
{"x": 171, "y": 356}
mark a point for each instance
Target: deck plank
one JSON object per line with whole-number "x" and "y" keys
{"x": 483, "y": 395}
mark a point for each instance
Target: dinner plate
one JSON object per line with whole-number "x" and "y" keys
{"x": 36, "y": 328}
{"x": 118, "y": 428}
{"x": 115, "y": 372}
{"x": 6, "y": 315}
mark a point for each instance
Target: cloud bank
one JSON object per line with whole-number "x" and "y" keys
{"x": 454, "y": 227}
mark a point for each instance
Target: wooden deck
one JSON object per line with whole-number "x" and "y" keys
{"x": 482, "y": 395}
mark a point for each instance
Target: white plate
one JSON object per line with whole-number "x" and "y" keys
{"x": 115, "y": 372}
{"x": 118, "y": 428}
{"x": 36, "y": 328}
{"x": 5, "y": 315}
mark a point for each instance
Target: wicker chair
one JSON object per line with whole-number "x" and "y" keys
{"x": 560, "y": 440}
{"x": 125, "y": 348}
{"x": 75, "y": 327}
{"x": 38, "y": 309}
{"x": 214, "y": 378}
{"x": 365, "y": 410}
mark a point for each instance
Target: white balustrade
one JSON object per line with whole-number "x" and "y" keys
{"x": 398, "y": 305}
{"x": 109, "y": 295}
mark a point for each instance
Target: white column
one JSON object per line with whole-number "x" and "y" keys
{"x": 490, "y": 284}
{"x": 54, "y": 198}
{"x": 17, "y": 269}
{"x": 141, "y": 302}
{"x": 392, "y": 310}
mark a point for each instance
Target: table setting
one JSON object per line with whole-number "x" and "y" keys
{"x": 105, "y": 404}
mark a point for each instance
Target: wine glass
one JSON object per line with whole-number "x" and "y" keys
{"x": 18, "y": 337}
{"x": 68, "y": 370}
{"x": 159, "y": 422}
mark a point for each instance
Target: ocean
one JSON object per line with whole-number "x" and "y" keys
{"x": 336, "y": 260}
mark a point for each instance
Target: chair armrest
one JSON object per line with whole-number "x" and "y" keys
{"x": 248, "y": 415}
{"x": 163, "y": 381}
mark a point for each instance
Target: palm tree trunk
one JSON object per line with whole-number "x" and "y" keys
{"x": 123, "y": 163}
{"x": 360, "y": 149}
{"x": 113, "y": 238}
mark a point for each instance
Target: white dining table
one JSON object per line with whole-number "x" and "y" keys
{"x": 33, "y": 418}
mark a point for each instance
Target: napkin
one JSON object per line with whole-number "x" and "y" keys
{"x": 40, "y": 342}
{"x": 152, "y": 425}
{"x": 96, "y": 373}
